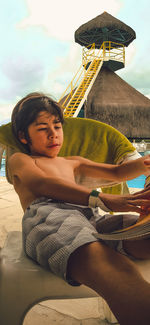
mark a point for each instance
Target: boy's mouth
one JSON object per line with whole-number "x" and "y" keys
{"x": 53, "y": 145}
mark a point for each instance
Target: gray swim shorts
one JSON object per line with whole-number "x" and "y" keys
{"x": 53, "y": 230}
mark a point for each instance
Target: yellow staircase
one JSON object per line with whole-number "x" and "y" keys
{"x": 77, "y": 91}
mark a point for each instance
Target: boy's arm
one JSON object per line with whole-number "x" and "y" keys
{"x": 123, "y": 172}
{"x": 25, "y": 170}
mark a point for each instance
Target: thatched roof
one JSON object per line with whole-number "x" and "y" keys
{"x": 115, "y": 102}
{"x": 102, "y": 28}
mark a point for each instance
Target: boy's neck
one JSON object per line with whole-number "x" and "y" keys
{"x": 41, "y": 156}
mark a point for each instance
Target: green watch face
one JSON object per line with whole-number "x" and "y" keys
{"x": 94, "y": 193}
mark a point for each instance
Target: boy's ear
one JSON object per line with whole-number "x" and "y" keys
{"x": 22, "y": 137}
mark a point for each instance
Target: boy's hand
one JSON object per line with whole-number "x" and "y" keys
{"x": 126, "y": 203}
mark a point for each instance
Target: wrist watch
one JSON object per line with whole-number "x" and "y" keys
{"x": 95, "y": 201}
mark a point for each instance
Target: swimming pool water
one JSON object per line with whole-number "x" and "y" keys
{"x": 137, "y": 182}
{"x": 2, "y": 169}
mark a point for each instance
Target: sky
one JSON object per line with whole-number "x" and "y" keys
{"x": 38, "y": 51}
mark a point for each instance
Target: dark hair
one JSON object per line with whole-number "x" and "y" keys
{"x": 27, "y": 109}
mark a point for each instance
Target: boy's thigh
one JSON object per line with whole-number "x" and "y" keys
{"x": 96, "y": 262}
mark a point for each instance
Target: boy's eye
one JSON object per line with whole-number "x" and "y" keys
{"x": 42, "y": 129}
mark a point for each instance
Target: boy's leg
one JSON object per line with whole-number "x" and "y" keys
{"x": 139, "y": 249}
{"x": 115, "y": 278}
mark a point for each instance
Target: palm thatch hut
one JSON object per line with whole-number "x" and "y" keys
{"x": 115, "y": 102}
{"x": 111, "y": 99}
{"x": 102, "y": 28}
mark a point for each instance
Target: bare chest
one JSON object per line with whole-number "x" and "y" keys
{"x": 57, "y": 167}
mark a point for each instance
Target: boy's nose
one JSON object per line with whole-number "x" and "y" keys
{"x": 51, "y": 133}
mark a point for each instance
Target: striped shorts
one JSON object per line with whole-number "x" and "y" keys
{"x": 53, "y": 230}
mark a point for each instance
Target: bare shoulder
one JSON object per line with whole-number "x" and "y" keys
{"x": 19, "y": 158}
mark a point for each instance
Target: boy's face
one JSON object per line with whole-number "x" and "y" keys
{"x": 46, "y": 135}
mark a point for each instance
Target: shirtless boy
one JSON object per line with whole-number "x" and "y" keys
{"x": 58, "y": 219}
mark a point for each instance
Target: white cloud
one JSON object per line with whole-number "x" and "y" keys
{"x": 130, "y": 53}
{"x": 60, "y": 19}
{"x": 5, "y": 111}
{"x": 148, "y": 96}
{"x": 71, "y": 61}
{"x": 66, "y": 68}
{"x": 23, "y": 75}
